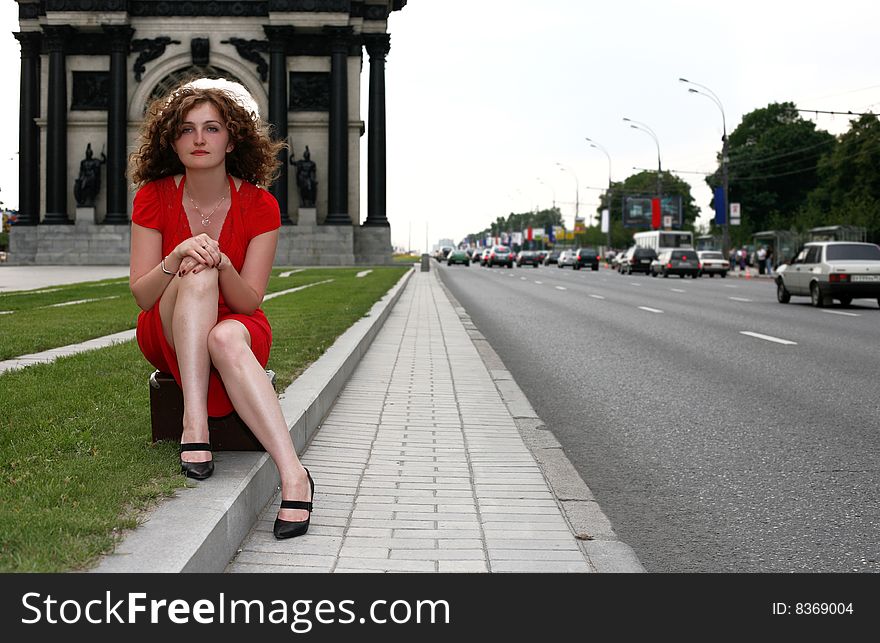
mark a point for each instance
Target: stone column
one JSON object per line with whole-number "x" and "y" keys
{"x": 278, "y": 106}
{"x": 56, "y": 127}
{"x": 28, "y": 132}
{"x": 117, "y": 124}
{"x": 337, "y": 183}
{"x": 378, "y": 46}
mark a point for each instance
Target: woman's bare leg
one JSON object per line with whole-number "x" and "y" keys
{"x": 193, "y": 314}
{"x": 257, "y": 404}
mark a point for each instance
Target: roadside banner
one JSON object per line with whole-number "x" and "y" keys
{"x": 720, "y": 208}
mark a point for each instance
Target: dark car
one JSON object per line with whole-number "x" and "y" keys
{"x": 552, "y": 257}
{"x": 584, "y": 257}
{"x": 500, "y": 256}
{"x": 637, "y": 259}
{"x": 684, "y": 263}
{"x": 528, "y": 258}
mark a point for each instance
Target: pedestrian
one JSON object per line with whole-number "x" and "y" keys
{"x": 761, "y": 259}
{"x": 743, "y": 255}
{"x": 769, "y": 261}
{"x": 203, "y": 241}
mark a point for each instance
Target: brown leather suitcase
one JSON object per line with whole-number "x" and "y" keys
{"x": 228, "y": 433}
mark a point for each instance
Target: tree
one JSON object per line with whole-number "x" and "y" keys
{"x": 517, "y": 222}
{"x": 849, "y": 184}
{"x": 773, "y": 160}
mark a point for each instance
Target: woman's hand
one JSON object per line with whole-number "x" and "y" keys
{"x": 201, "y": 249}
{"x": 191, "y": 265}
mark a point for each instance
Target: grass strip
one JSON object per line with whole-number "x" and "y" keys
{"x": 36, "y": 326}
{"x": 76, "y": 460}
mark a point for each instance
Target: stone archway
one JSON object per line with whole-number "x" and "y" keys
{"x": 180, "y": 76}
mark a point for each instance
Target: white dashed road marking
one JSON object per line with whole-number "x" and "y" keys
{"x": 561, "y": 288}
{"x": 540, "y": 283}
{"x": 80, "y": 301}
{"x": 739, "y": 299}
{"x": 290, "y": 290}
{"x": 768, "y": 338}
{"x": 650, "y": 310}
{"x": 840, "y": 312}
{"x": 677, "y": 290}
{"x": 597, "y": 296}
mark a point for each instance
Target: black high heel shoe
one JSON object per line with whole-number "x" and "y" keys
{"x": 289, "y": 528}
{"x": 196, "y": 470}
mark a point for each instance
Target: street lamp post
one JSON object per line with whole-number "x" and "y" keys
{"x": 577, "y": 190}
{"x": 708, "y": 93}
{"x": 647, "y": 130}
{"x": 608, "y": 156}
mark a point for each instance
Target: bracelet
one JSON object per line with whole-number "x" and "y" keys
{"x": 164, "y": 269}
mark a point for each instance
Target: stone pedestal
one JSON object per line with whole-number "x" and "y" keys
{"x": 314, "y": 245}
{"x": 372, "y": 245}
{"x": 82, "y": 244}
{"x": 85, "y": 218}
{"x": 308, "y": 217}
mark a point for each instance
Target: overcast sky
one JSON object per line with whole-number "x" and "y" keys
{"x": 486, "y": 97}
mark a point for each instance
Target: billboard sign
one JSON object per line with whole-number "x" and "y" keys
{"x": 637, "y": 211}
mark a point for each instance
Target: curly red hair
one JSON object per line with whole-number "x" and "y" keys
{"x": 254, "y": 157}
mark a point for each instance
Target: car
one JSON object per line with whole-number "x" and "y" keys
{"x": 457, "y": 256}
{"x": 566, "y": 258}
{"x": 713, "y": 262}
{"x": 552, "y": 256}
{"x": 484, "y": 255}
{"x": 828, "y": 270}
{"x": 637, "y": 259}
{"x": 500, "y": 256}
{"x": 528, "y": 258}
{"x": 681, "y": 262}
{"x": 542, "y": 255}
{"x": 584, "y": 257}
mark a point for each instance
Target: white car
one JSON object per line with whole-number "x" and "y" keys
{"x": 713, "y": 263}
{"x": 826, "y": 270}
{"x": 566, "y": 258}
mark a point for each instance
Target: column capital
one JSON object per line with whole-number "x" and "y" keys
{"x": 378, "y": 45}
{"x": 278, "y": 36}
{"x": 119, "y": 37}
{"x": 339, "y": 37}
{"x": 30, "y": 42}
{"x": 57, "y": 36}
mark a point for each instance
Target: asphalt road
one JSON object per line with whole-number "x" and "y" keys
{"x": 710, "y": 450}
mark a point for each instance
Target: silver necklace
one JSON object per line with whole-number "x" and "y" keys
{"x": 206, "y": 220}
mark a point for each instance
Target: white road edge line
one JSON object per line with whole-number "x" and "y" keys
{"x": 840, "y": 312}
{"x": 650, "y": 310}
{"x": 768, "y": 338}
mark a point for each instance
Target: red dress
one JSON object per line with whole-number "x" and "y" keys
{"x": 253, "y": 211}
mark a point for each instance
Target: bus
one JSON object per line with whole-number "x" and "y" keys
{"x": 660, "y": 240}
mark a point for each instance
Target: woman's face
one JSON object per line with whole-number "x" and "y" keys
{"x": 203, "y": 140}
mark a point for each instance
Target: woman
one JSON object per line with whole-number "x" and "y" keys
{"x": 203, "y": 242}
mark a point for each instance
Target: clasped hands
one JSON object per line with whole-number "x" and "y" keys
{"x": 200, "y": 253}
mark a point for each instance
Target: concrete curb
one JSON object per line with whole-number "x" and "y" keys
{"x": 202, "y": 526}
{"x": 595, "y": 535}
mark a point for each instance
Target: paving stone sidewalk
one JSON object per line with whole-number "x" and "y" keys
{"x": 419, "y": 467}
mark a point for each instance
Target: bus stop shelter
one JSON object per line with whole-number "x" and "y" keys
{"x": 783, "y": 243}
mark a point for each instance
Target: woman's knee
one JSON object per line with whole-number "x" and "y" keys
{"x": 205, "y": 282}
{"x": 228, "y": 341}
